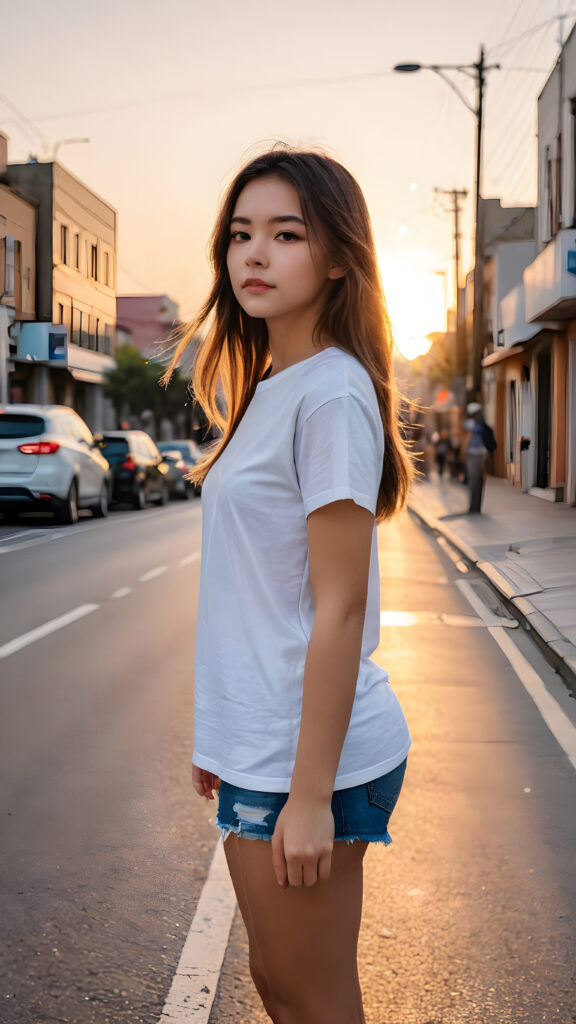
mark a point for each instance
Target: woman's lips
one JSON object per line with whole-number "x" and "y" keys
{"x": 254, "y": 284}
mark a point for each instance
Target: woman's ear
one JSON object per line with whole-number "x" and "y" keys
{"x": 335, "y": 273}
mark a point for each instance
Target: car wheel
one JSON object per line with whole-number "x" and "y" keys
{"x": 139, "y": 499}
{"x": 67, "y": 512}
{"x": 101, "y": 509}
{"x": 164, "y": 495}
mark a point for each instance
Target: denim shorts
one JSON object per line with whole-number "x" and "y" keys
{"x": 360, "y": 812}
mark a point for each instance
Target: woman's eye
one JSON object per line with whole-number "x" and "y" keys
{"x": 239, "y": 236}
{"x": 287, "y": 236}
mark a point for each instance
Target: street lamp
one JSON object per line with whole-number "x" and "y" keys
{"x": 477, "y": 72}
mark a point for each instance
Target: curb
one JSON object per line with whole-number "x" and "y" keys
{"x": 558, "y": 651}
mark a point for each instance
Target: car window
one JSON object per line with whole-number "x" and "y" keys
{"x": 139, "y": 447}
{"x": 115, "y": 449}
{"x": 16, "y": 424}
{"x": 82, "y": 431}
{"x": 183, "y": 447}
{"x": 64, "y": 426}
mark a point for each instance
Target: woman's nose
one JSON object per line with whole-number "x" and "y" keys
{"x": 256, "y": 255}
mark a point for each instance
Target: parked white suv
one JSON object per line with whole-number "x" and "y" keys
{"x": 48, "y": 460}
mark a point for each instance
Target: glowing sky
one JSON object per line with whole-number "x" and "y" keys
{"x": 175, "y": 94}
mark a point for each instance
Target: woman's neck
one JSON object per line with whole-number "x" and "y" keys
{"x": 292, "y": 341}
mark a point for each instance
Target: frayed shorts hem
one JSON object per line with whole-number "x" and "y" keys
{"x": 361, "y": 813}
{"x": 386, "y": 839}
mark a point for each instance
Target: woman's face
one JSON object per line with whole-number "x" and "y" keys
{"x": 276, "y": 268}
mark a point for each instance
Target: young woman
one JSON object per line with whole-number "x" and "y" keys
{"x": 295, "y": 726}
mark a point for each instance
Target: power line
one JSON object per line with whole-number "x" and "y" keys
{"x": 223, "y": 91}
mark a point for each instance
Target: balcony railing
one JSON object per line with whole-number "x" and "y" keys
{"x": 550, "y": 281}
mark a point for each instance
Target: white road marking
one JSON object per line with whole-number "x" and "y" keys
{"x": 152, "y": 574}
{"x": 556, "y": 719}
{"x": 399, "y": 619}
{"x": 49, "y": 627}
{"x": 84, "y": 527}
{"x": 123, "y": 592}
{"x": 452, "y": 555}
{"x": 194, "y": 984}
{"x": 188, "y": 560}
{"x": 23, "y": 533}
{"x": 30, "y": 543}
{"x": 487, "y": 616}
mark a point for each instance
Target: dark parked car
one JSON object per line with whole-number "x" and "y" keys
{"x": 139, "y": 473}
{"x": 189, "y": 453}
{"x": 180, "y": 487}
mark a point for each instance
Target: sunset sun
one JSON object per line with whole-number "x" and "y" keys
{"x": 416, "y": 304}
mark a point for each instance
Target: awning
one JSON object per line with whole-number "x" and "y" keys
{"x": 87, "y": 376}
{"x": 503, "y": 353}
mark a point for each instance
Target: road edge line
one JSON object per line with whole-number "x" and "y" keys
{"x": 554, "y": 716}
{"x": 194, "y": 984}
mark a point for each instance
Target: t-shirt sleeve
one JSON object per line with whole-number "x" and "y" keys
{"x": 338, "y": 452}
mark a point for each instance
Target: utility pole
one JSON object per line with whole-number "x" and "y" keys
{"x": 478, "y": 314}
{"x": 478, "y": 73}
{"x": 460, "y": 342}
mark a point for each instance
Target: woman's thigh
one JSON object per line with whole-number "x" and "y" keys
{"x": 304, "y": 940}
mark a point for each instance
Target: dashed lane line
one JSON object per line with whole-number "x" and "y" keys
{"x": 39, "y": 632}
{"x": 152, "y": 574}
{"x": 194, "y": 984}
{"x": 189, "y": 558}
{"x": 48, "y": 627}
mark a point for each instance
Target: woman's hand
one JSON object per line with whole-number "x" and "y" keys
{"x": 302, "y": 842}
{"x": 204, "y": 782}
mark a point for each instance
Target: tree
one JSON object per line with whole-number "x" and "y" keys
{"x": 134, "y": 383}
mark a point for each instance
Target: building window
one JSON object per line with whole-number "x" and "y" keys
{"x": 107, "y": 268}
{"x": 77, "y": 251}
{"x": 63, "y": 243}
{"x": 84, "y": 331}
{"x": 558, "y": 186}
{"x": 76, "y": 325}
{"x": 548, "y": 194}
{"x": 106, "y": 342}
{"x": 60, "y": 313}
{"x": 7, "y": 265}
{"x": 97, "y": 335}
{"x": 94, "y": 262}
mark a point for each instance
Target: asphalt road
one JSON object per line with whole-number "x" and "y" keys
{"x": 469, "y": 915}
{"x": 104, "y": 846}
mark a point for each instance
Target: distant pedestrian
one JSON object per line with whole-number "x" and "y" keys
{"x": 481, "y": 442}
{"x": 441, "y": 450}
{"x": 295, "y": 726}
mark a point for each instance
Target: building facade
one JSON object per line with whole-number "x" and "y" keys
{"x": 17, "y": 269}
{"x": 75, "y": 290}
{"x": 146, "y": 320}
{"x": 530, "y": 377}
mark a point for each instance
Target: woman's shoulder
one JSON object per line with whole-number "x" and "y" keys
{"x": 338, "y": 375}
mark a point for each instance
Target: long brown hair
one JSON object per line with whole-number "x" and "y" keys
{"x": 234, "y": 353}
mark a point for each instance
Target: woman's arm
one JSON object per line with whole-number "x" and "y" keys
{"x": 339, "y": 543}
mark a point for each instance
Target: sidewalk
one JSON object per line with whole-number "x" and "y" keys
{"x": 524, "y": 545}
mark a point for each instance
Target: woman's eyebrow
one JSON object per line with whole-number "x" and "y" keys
{"x": 284, "y": 219}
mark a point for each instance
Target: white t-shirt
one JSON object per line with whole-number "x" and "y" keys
{"x": 311, "y": 435}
